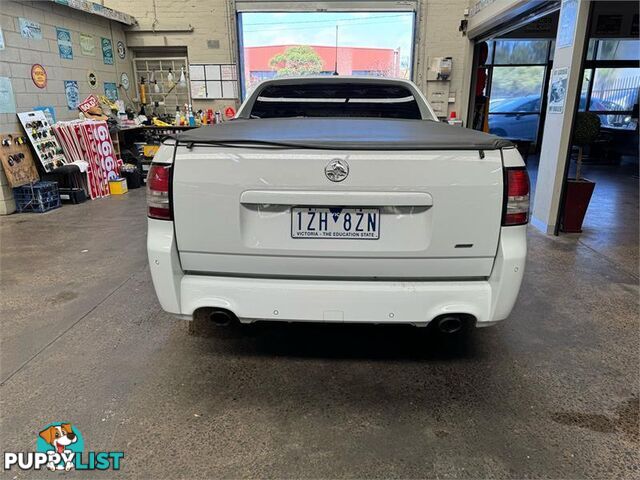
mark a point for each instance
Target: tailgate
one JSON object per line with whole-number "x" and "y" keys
{"x": 254, "y": 211}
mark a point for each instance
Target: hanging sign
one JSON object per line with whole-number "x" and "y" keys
{"x": 122, "y": 51}
{"x": 30, "y": 29}
{"x": 87, "y": 45}
{"x": 72, "y": 93}
{"x": 92, "y": 79}
{"x": 124, "y": 81}
{"x": 39, "y": 75}
{"x": 107, "y": 51}
{"x": 65, "y": 46}
{"x": 111, "y": 91}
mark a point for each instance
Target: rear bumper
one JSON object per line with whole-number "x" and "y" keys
{"x": 414, "y": 302}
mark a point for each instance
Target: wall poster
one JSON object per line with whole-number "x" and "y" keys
{"x": 111, "y": 91}
{"x": 107, "y": 51}
{"x": 49, "y": 113}
{"x": 7, "y": 99}
{"x": 558, "y": 90}
{"x": 87, "y": 45}
{"x": 30, "y": 29}
{"x": 65, "y": 46}
{"x": 73, "y": 94}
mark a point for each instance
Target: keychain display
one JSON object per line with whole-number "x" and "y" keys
{"x": 42, "y": 139}
{"x": 17, "y": 161}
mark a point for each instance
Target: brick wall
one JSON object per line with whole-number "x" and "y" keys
{"x": 438, "y": 36}
{"x": 20, "y": 54}
{"x": 210, "y": 40}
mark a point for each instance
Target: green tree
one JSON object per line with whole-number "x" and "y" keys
{"x": 512, "y": 82}
{"x": 298, "y": 60}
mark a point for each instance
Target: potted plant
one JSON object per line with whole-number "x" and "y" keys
{"x": 579, "y": 190}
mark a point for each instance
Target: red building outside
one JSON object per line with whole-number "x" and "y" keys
{"x": 380, "y": 62}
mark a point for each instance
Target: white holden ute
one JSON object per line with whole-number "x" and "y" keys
{"x": 338, "y": 199}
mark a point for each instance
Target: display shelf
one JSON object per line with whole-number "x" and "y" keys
{"x": 171, "y": 93}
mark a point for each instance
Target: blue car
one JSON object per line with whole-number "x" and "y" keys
{"x": 517, "y": 118}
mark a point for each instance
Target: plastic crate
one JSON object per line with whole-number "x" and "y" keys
{"x": 72, "y": 195}
{"x": 38, "y": 197}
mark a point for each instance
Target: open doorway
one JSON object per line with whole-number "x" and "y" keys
{"x": 363, "y": 43}
{"x": 518, "y": 81}
{"x": 512, "y": 76}
{"x": 512, "y": 66}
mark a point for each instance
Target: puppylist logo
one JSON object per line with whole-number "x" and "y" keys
{"x": 60, "y": 447}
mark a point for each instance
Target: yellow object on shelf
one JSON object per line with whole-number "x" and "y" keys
{"x": 150, "y": 150}
{"x": 118, "y": 186}
{"x": 159, "y": 123}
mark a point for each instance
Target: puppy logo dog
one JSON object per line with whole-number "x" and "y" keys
{"x": 60, "y": 437}
{"x": 60, "y": 447}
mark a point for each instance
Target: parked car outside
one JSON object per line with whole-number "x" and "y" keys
{"x": 518, "y": 118}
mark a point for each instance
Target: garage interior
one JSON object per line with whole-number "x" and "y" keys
{"x": 515, "y": 61}
{"x": 552, "y": 392}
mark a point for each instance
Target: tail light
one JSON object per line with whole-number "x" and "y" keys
{"x": 158, "y": 201}
{"x": 516, "y": 208}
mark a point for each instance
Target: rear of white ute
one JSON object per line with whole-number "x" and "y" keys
{"x": 271, "y": 232}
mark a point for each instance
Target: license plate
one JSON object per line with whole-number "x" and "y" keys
{"x": 335, "y": 223}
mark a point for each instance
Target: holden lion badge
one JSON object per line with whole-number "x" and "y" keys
{"x": 336, "y": 170}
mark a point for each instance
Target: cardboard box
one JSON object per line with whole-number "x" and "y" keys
{"x": 149, "y": 151}
{"x": 118, "y": 186}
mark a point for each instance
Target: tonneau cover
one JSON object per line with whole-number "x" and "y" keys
{"x": 344, "y": 134}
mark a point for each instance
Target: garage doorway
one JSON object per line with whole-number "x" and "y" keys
{"x": 511, "y": 79}
{"x": 510, "y": 86}
{"x": 374, "y": 39}
{"x": 518, "y": 73}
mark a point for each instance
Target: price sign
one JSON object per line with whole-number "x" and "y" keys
{"x": 106, "y": 156}
{"x": 88, "y": 103}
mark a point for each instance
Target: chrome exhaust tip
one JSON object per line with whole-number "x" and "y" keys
{"x": 222, "y": 318}
{"x": 449, "y": 324}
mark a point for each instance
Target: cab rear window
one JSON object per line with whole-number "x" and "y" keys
{"x": 336, "y": 100}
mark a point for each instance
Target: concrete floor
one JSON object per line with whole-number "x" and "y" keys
{"x": 610, "y": 225}
{"x": 552, "y": 392}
